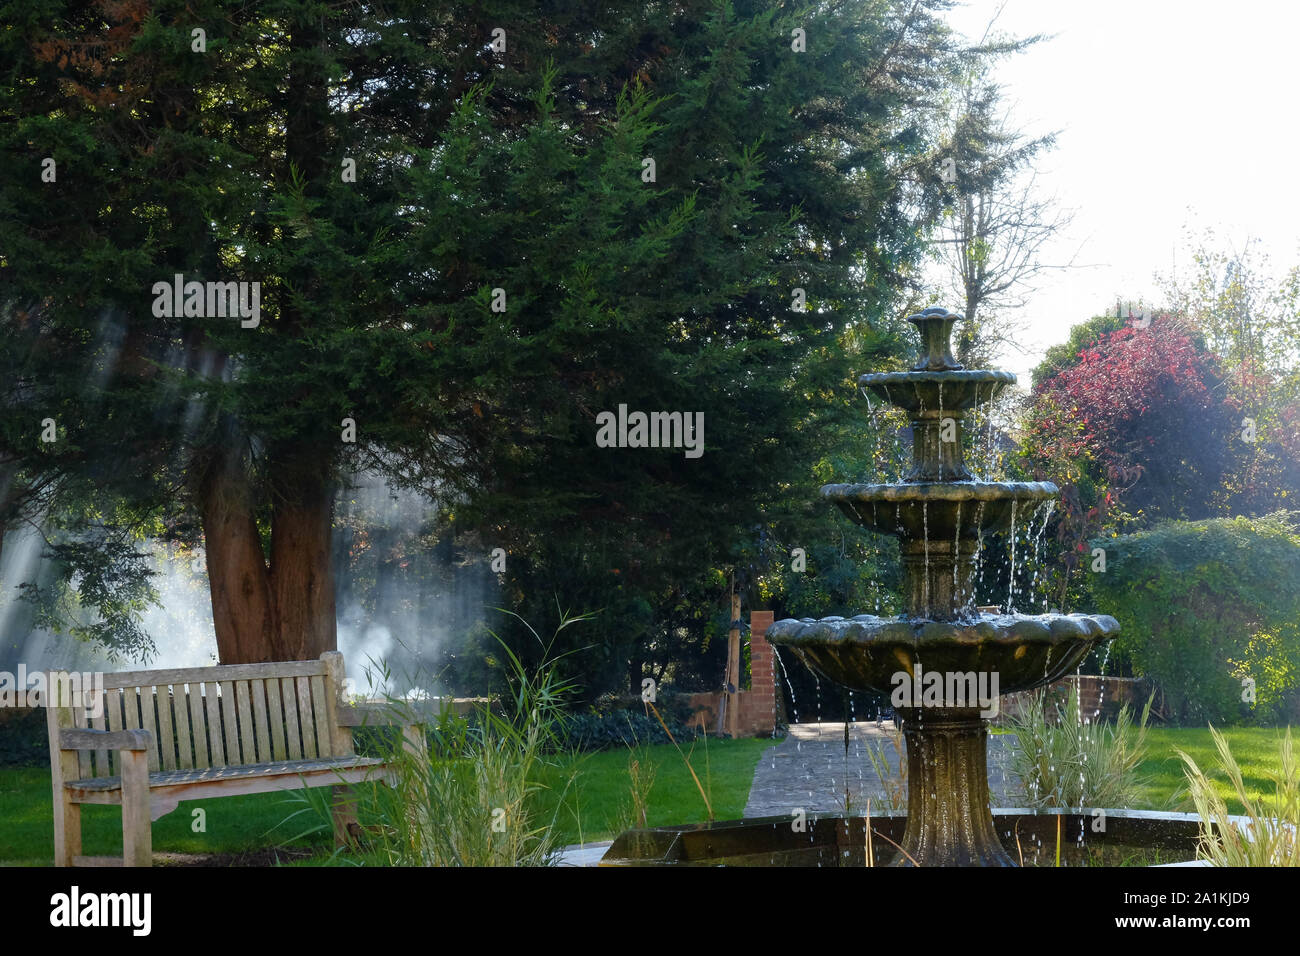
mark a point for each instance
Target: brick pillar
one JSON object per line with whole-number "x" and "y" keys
{"x": 762, "y": 672}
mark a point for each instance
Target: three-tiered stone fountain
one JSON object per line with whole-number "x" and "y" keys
{"x": 941, "y": 515}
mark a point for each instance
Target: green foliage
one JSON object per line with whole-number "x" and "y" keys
{"x": 1203, "y": 606}
{"x": 1270, "y": 835}
{"x": 1065, "y": 762}
{"x": 98, "y": 586}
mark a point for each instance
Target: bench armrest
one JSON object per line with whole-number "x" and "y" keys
{"x": 375, "y": 714}
{"x": 105, "y": 740}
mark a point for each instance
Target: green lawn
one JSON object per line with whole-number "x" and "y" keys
{"x": 596, "y": 807}
{"x": 600, "y": 807}
{"x": 234, "y": 824}
{"x": 1255, "y": 749}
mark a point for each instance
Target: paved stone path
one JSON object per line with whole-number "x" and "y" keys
{"x": 808, "y": 770}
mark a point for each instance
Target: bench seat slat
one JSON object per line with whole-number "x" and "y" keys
{"x": 176, "y": 778}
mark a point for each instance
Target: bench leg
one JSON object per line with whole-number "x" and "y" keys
{"x": 343, "y": 811}
{"x": 67, "y": 829}
{"x": 137, "y": 831}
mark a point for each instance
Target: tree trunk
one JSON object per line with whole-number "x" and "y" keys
{"x": 284, "y": 612}
{"x": 242, "y": 613}
{"x": 302, "y": 572}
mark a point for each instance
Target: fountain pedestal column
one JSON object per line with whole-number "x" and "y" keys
{"x": 949, "y": 822}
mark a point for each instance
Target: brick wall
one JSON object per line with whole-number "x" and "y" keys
{"x": 755, "y": 706}
{"x": 1099, "y": 697}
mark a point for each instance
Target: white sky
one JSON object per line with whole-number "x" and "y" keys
{"x": 1171, "y": 115}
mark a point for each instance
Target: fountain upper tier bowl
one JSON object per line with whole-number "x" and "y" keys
{"x": 867, "y": 652}
{"x": 951, "y": 391}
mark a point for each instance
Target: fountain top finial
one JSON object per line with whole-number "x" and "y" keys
{"x": 935, "y": 325}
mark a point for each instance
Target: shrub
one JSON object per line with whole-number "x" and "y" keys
{"x": 620, "y": 728}
{"x": 1206, "y": 605}
{"x": 24, "y": 739}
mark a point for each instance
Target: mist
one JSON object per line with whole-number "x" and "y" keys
{"x": 407, "y": 600}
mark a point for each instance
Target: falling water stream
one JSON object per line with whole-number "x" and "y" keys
{"x": 956, "y": 556}
{"x": 925, "y": 539}
{"x": 1011, "y": 587}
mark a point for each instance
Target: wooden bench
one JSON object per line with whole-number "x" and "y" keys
{"x": 170, "y": 735}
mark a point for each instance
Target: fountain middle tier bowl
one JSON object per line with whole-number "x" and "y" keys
{"x": 870, "y": 653}
{"x": 941, "y": 510}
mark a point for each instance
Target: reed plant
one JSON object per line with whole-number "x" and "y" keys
{"x": 641, "y": 773}
{"x": 473, "y": 800}
{"x": 892, "y": 772}
{"x": 1072, "y": 763}
{"x": 1262, "y": 835}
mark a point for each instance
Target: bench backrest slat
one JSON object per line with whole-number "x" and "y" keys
{"x": 113, "y": 710}
{"x": 212, "y": 702}
{"x": 231, "y": 731}
{"x": 305, "y": 718}
{"x": 320, "y": 713}
{"x": 274, "y": 703}
{"x": 85, "y": 760}
{"x": 131, "y": 707}
{"x": 166, "y": 733}
{"x": 289, "y": 694}
{"x": 184, "y": 735}
{"x": 198, "y": 726}
{"x": 261, "y": 731}
{"x": 149, "y": 722}
{"x": 137, "y": 705}
{"x": 101, "y": 756}
{"x": 244, "y": 712}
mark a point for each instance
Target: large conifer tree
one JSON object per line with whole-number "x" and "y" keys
{"x": 501, "y": 268}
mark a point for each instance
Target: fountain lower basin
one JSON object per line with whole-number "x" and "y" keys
{"x": 1131, "y": 837}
